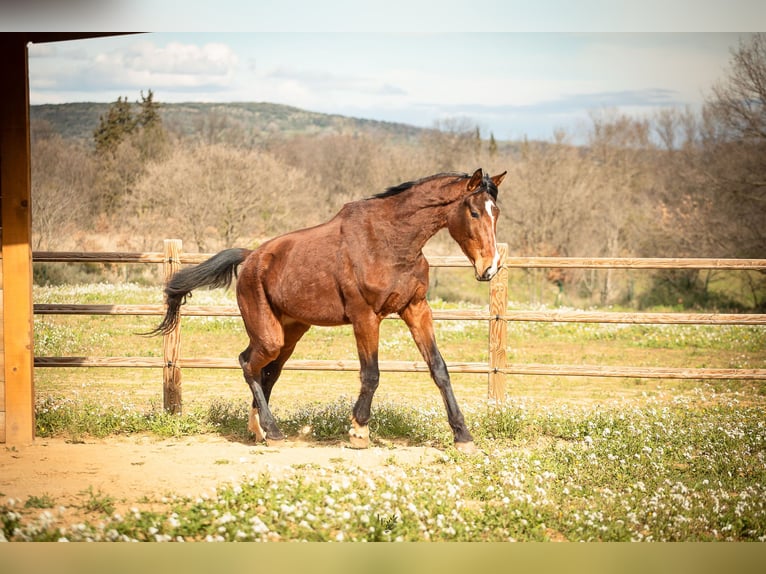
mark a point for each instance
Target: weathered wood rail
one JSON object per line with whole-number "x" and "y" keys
{"x": 497, "y": 316}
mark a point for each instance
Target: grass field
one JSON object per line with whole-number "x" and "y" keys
{"x": 564, "y": 458}
{"x": 570, "y": 343}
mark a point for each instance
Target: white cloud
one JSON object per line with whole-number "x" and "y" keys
{"x": 141, "y": 65}
{"x": 211, "y": 59}
{"x": 509, "y": 83}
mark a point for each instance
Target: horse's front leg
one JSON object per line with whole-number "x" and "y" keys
{"x": 419, "y": 319}
{"x": 367, "y": 333}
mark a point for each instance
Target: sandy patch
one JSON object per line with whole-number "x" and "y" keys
{"x": 136, "y": 469}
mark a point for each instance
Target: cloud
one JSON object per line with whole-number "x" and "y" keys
{"x": 314, "y": 81}
{"x": 566, "y": 105}
{"x": 651, "y": 97}
{"x": 42, "y": 51}
{"x": 537, "y": 119}
{"x": 174, "y": 66}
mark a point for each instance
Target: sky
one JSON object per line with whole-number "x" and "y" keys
{"x": 511, "y": 73}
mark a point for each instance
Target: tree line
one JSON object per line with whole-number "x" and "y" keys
{"x": 680, "y": 183}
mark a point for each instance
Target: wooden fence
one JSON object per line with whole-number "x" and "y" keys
{"x": 497, "y": 315}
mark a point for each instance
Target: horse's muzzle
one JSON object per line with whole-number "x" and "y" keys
{"x": 488, "y": 274}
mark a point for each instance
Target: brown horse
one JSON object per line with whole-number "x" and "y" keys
{"x": 363, "y": 264}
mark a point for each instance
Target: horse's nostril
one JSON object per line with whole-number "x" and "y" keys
{"x": 489, "y": 272}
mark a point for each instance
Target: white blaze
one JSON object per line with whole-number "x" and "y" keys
{"x": 496, "y": 259}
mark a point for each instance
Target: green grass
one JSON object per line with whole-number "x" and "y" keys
{"x": 98, "y": 502}
{"x": 42, "y": 501}
{"x": 671, "y": 470}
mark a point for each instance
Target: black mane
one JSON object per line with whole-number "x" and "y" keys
{"x": 402, "y": 187}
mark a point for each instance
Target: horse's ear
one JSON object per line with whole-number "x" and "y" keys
{"x": 498, "y": 178}
{"x": 475, "y": 180}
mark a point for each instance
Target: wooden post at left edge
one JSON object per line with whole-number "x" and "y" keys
{"x": 16, "y": 208}
{"x": 171, "y": 342}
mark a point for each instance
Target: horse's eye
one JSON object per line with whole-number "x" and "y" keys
{"x": 474, "y": 214}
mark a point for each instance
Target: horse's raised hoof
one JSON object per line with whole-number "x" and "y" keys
{"x": 359, "y": 435}
{"x": 466, "y": 447}
{"x": 254, "y": 425}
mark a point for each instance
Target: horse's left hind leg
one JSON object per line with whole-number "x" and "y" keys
{"x": 270, "y": 373}
{"x": 260, "y": 421}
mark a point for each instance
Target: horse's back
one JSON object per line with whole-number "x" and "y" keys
{"x": 300, "y": 274}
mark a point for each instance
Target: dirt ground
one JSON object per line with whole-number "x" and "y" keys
{"x": 144, "y": 471}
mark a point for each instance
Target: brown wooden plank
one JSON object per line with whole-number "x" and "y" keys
{"x": 637, "y": 318}
{"x": 634, "y": 372}
{"x": 444, "y": 261}
{"x": 96, "y": 257}
{"x": 16, "y": 232}
{"x": 90, "y": 309}
{"x": 421, "y": 367}
{"x": 130, "y": 362}
{"x": 633, "y": 263}
{"x": 438, "y": 314}
{"x": 233, "y": 363}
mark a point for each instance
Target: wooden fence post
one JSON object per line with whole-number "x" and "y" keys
{"x": 17, "y": 396}
{"x": 498, "y": 328}
{"x": 171, "y": 342}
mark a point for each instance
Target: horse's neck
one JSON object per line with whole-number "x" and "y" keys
{"x": 407, "y": 226}
{"x": 427, "y": 212}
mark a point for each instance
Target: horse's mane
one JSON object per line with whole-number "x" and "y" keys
{"x": 402, "y": 187}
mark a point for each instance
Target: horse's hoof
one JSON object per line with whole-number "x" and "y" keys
{"x": 359, "y": 435}
{"x": 254, "y": 426}
{"x": 359, "y": 442}
{"x": 466, "y": 447}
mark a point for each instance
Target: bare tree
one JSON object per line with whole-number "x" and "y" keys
{"x": 622, "y": 172}
{"x": 740, "y": 99}
{"x": 736, "y": 163}
{"x": 62, "y": 176}
{"x": 217, "y": 196}
{"x": 546, "y": 203}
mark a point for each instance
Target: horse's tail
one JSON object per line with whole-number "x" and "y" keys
{"x": 218, "y": 271}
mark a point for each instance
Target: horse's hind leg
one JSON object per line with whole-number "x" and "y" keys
{"x": 260, "y": 422}
{"x": 270, "y": 373}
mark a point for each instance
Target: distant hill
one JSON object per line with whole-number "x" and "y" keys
{"x": 246, "y": 122}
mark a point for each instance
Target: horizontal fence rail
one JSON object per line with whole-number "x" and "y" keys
{"x": 421, "y": 367}
{"x": 498, "y": 316}
{"x": 441, "y": 261}
{"x": 440, "y": 315}
{"x": 633, "y": 263}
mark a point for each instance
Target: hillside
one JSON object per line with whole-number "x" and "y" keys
{"x": 245, "y": 122}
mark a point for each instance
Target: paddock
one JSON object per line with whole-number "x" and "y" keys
{"x": 496, "y": 315}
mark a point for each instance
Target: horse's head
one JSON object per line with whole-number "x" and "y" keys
{"x": 473, "y": 223}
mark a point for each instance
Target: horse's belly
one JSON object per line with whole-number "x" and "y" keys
{"x": 313, "y": 302}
